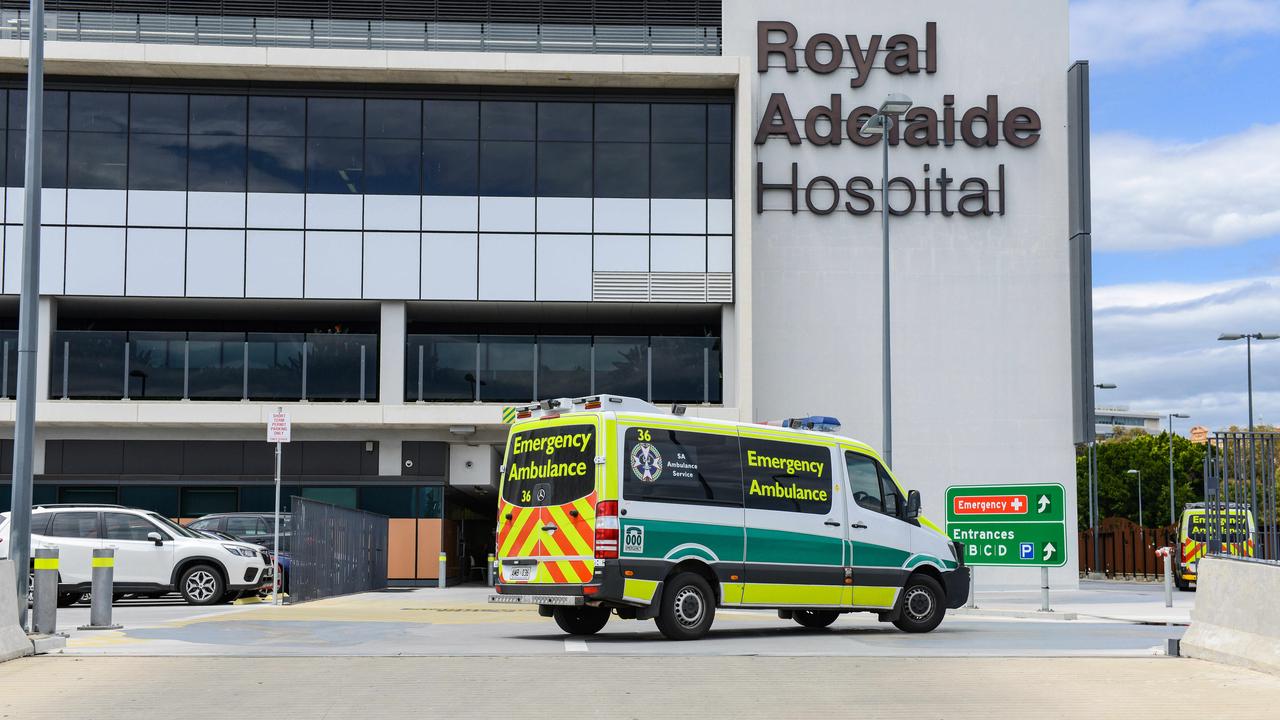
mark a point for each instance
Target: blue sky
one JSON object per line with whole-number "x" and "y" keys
{"x": 1186, "y": 183}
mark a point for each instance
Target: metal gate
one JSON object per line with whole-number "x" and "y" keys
{"x": 336, "y": 551}
{"x": 1240, "y": 475}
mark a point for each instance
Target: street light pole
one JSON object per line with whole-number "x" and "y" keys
{"x": 1173, "y": 509}
{"x": 28, "y": 316}
{"x": 882, "y": 124}
{"x": 1248, "y": 351}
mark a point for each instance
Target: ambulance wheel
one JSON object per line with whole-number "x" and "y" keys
{"x": 815, "y": 618}
{"x": 1181, "y": 584}
{"x": 922, "y": 605}
{"x": 581, "y": 620}
{"x": 688, "y": 607}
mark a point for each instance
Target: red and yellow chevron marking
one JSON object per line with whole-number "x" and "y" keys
{"x": 574, "y": 537}
{"x": 1192, "y": 550}
{"x": 521, "y": 535}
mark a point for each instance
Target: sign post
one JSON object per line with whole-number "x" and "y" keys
{"x": 1010, "y": 526}
{"x": 279, "y": 431}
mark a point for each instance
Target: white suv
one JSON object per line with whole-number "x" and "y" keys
{"x": 154, "y": 555}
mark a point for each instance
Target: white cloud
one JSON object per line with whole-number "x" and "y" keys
{"x": 1113, "y": 31}
{"x": 1158, "y": 343}
{"x": 1153, "y": 196}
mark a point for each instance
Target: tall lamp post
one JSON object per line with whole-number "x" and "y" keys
{"x": 1248, "y": 352}
{"x": 882, "y": 124}
{"x": 1139, "y": 474}
{"x": 1173, "y": 510}
{"x": 1093, "y": 489}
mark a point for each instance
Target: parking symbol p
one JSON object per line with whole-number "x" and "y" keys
{"x": 1027, "y": 551}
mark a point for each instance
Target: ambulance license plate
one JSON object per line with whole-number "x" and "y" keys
{"x": 520, "y": 573}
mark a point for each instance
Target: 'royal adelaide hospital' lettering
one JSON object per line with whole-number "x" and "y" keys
{"x": 828, "y": 125}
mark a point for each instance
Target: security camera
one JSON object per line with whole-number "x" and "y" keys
{"x": 470, "y": 464}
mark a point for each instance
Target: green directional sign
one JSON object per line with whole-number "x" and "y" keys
{"x": 1011, "y": 525}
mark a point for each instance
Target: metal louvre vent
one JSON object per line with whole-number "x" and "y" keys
{"x": 677, "y": 287}
{"x": 662, "y": 287}
{"x": 620, "y": 287}
{"x": 720, "y": 287}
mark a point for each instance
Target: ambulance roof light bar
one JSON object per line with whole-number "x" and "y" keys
{"x": 618, "y": 403}
{"x": 817, "y": 423}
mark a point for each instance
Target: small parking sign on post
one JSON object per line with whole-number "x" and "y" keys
{"x": 279, "y": 431}
{"x": 1027, "y": 551}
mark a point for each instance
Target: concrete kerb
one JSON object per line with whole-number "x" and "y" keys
{"x": 13, "y": 641}
{"x": 1236, "y": 619}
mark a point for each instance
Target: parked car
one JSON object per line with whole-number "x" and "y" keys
{"x": 285, "y": 561}
{"x": 253, "y": 527}
{"x": 154, "y": 555}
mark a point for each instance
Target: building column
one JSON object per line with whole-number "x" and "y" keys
{"x": 390, "y": 457}
{"x": 47, "y": 323}
{"x": 740, "y": 315}
{"x": 391, "y": 349}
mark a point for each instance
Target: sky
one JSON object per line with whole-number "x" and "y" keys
{"x": 1186, "y": 203}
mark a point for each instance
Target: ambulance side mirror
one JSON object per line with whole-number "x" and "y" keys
{"x": 913, "y": 504}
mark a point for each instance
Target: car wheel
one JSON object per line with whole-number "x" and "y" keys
{"x": 201, "y": 585}
{"x": 923, "y": 605}
{"x": 581, "y": 620}
{"x": 815, "y": 618}
{"x": 1183, "y": 585}
{"x": 688, "y": 607}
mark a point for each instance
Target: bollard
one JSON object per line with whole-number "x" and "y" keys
{"x": 443, "y": 569}
{"x": 1044, "y": 590}
{"x": 104, "y": 568}
{"x": 45, "y": 591}
{"x": 489, "y": 576}
{"x": 1166, "y": 553}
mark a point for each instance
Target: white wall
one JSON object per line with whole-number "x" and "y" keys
{"x": 981, "y": 343}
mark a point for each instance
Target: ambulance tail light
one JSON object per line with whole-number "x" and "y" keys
{"x": 607, "y": 529}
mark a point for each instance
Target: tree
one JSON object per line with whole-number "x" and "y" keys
{"x": 1118, "y": 490}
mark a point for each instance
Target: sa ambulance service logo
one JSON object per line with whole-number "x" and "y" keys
{"x": 646, "y": 462}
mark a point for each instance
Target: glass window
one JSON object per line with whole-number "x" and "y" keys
{"x": 340, "y": 496}
{"x": 334, "y": 165}
{"x": 564, "y": 121}
{"x": 564, "y": 169}
{"x": 155, "y": 113}
{"x": 679, "y": 170}
{"x": 335, "y": 117}
{"x": 429, "y": 502}
{"x": 275, "y": 164}
{"x": 719, "y": 171}
{"x": 682, "y": 467}
{"x": 98, "y": 160}
{"x": 161, "y": 499}
{"x": 502, "y": 120}
{"x": 205, "y": 524}
{"x": 99, "y": 111}
{"x": 550, "y": 465}
{"x": 679, "y": 123}
{"x": 894, "y": 504}
{"x": 123, "y": 526}
{"x": 53, "y": 159}
{"x": 720, "y": 123}
{"x": 275, "y": 366}
{"x": 506, "y": 368}
{"x": 334, "y": 364}
{"x": 246, "y": 526}
{"x": 786, "y": 476}
{"x": 506, "y": 168}
{"x": 101, "y": 494}
{"x": 622, "y": 366}
{"x": 393, "y": 118}
{"x": 447, "y": 367}
{"x": 39, "y": 521}
{"x": 864, "y": 481}
{"x": 157, "y": 162}
{"x": 197, "y": 501}
{"x": 451, "y": 119}
{"x": 219, "y": 114}
{"x": 217, "y": 163}
{"x": 622, "y": 122}
{"x": 156, "y": 365}
{"x": 216, "y": 362}
{"x": 94, "y": 361}
{"x": 82, "y": 525}
{"x": 564, "y": 366}
{"x": 280, "y": 116}
{"x": 450, "y": 167}
{"x": 55, "y": 109}
{"x": 390, "y": 500}
{"x": 622, "y": 170}
{"x": 682, "y": 367}
{"x": 392, "y": 167}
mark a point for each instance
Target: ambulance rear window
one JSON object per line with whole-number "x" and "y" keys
{"x": 550, "y": 465}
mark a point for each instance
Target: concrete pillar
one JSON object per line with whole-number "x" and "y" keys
{"x": 48, "y": 313}
{"x": 391, "y": 345}
{"x": 390, "y": 457}
{"x": 743, "y": 208}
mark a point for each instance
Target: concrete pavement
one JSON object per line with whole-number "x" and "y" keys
{"x": 135, "y": 688}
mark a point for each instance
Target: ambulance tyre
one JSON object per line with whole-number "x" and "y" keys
{"x": 923, "y": 605}
{"x": 688, "y": 607}
{"x": 815, "y": 618}
{"x": 1183, "y": 585}
{"x": 582, "y": 620}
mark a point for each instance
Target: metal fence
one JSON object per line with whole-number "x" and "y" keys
{"x": 335, "y": 551}
{"x": 1241, "y": 512}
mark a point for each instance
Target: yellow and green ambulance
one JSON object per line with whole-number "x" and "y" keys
{"x": 609, "y": 505}
{"x": 1235, "y": 530}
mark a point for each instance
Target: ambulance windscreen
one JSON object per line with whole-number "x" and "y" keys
{"x": 550, "y": 465}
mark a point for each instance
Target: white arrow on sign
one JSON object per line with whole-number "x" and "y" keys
{"x": 1048, "y": 550}
{"x": 1044, "y": 504}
